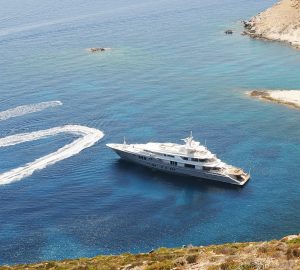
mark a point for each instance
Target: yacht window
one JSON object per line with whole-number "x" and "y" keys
{"x": 173, "y": 163}
{"x": 185, "y": 158}
{"x": 206, "y": 160}
{"x": 210, "y": 168}
{"x": 195, "y": 159}
{"x": 189, "y": 166}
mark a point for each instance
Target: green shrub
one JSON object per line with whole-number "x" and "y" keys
{"x": 293, "y": 253}
{"x": 164, "y": 265}
{"x": 294, "y": 241}
{"x": 191, "y": 258}
{"x": 229, "y": 265}
{"x": 250, "y": 266}
{"x": 226, "y": 250}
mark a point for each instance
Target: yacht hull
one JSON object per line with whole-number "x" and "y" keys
{"x": 162, "y": 165}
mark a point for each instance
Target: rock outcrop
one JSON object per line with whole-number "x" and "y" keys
{"x": 228, "y": 32}
{"x": 280, "y": 22}
{"x": 286, "y": 97}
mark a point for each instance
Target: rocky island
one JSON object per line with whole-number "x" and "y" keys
{"x": 280, "y": 22}
{"x": 281, "y": 254}
{"x": 286, "y": 97}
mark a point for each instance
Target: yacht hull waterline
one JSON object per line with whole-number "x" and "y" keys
{"x": 191, "y": 159}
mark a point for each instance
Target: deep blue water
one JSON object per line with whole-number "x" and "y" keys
{"x": 171, "y": 70}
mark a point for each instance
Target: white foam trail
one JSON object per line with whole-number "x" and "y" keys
{"x": 28, "y": 27}
{"x": 89, "y": 136}
{"x": 26, "y": 109}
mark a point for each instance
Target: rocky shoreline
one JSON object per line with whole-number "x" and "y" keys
{"x": 281, "y": 254}
{"x": 280, "y": 22}
{"x": 286, "y": 97}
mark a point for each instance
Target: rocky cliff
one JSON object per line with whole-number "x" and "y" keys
{"x": 280, "y": 22}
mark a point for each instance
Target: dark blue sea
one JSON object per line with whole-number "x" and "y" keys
{"x": 171, "y": 70}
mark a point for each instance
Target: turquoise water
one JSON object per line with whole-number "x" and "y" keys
{"x": 171, "y": 70}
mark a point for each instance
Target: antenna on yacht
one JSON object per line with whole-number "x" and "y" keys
{"x": 189, "y": 141}
{"x": 124, "y": 141}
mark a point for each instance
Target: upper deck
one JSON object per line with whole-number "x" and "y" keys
{"x": 190, "y": 153}
{"x": 200, "y": 151}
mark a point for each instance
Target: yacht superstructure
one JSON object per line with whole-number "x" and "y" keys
{"x": 191, "y": 159}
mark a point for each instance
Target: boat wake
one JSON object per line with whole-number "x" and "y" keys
{"x": 87, "y": 138}
{"x": 29, "y": 27}
{"x": 26, "y": 109}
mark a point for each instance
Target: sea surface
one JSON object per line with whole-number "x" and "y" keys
{"x": 171, "y": 70}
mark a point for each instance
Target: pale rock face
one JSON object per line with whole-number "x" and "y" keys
{"x": 290, "y": 237}
{"x": 281, "y": 22}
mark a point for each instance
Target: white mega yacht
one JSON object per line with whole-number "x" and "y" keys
{"x": 191, "y": 158}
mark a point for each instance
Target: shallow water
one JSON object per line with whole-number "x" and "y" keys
{"x": 171, "y": 70}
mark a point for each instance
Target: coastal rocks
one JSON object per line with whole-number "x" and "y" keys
{"x": 290, "y": 237}
{"x": 278, "y": 23}
{"x": 257, "y": 93}
{"x": 250, "y": 29}
{"x": 99, "y": 49}
{"x": 247, "y": 24}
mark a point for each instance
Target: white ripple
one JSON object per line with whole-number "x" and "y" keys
{"x": 26, "y": 109}
{"x": 28, "y": 27}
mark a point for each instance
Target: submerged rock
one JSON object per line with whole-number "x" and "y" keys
{"x": 99, "y": 49}
{"x": 228, "y": 32}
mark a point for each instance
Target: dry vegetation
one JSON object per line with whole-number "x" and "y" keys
{"x": 273, "y": 255}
